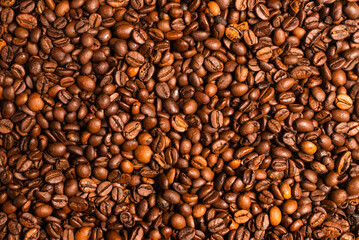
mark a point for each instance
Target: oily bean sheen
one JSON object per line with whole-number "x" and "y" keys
{"x": 190, "y": 120}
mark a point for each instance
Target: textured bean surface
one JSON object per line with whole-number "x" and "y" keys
{"x": 179, "y": 119}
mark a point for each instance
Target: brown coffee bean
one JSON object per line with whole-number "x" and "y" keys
{"x": 33, "y": 233}
{"x": 234, "y": 32}
{"x": 6, "y": 126}
{"x": 116, "y": 123}
{"x": 165, "y": 73}
{"x": 352, "y": 186}
{"x": 132, "y": 129}
{"x": 143, "y": 153}
{"x": 104, "y": 188}
{"x": 144, "y": 190}
{"x": 343, "y": 102}
{"x": 163, "y": 90}
{"x": 86, "y": 83}
{"x": 26, "y": 20}
{"x": 57, "y": 149}
{"x": 54, "y": 177}
{"x": 216, "y": 225}
{"x": 285, "y": 84}
{"x": 242, "y": 216}
{"x": 7, "y": 3}
{"x": 134, "y": 59}
{"x": 83, "y": 233}
{"x": 212, "y": 64}
{"x": 87, "y": 185}
{"x": 178, "y": 123}
{"x": 339, "y": 32}
{"x": 275, "y": 216}
{"x": 264, "y": 54}
{"x": 187, "y": 233}
{"x": 78, "y": 204}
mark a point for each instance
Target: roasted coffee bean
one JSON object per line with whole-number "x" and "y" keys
{"x": 132, "y": 129}
{"x": 216, "y": 225}
{"x": 134, "y": 59}
{"x": 7, "y": 3}
{"x": 165, "y": 73}
{"x": 116, "y": 123}
{"x": 187, "y": 233}
{"x": 104, "y": 188}
{"x": 28, "y": 220}
{"x": 242, "y": 216}
{"x": 54, "y": 177}
{"x": 78, "y": 204}
{"x": 162, "y": 90}
{"x": 6, "y": 126}
{"x": 26, "y": 20}
{"x": 212, "y": 64}
{"x": 234, "y": 32}
{"x": 87, "y": 185}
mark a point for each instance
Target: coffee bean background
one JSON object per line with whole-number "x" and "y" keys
{"x": 179, "y": 119}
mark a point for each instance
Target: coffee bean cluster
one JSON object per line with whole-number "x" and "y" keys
{"x": 179, "y": 119}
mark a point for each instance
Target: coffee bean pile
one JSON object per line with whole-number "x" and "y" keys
{"x": 179, "y": 119}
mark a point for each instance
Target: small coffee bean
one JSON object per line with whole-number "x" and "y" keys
{"x": 343, "y": 102}
{"x": 7, "y": 3}
{"x": 308, "y": 147}
{"x": 6, "y": 126}
{"x": 83, "y": 233}
{"x": 242, "y": 216}
{"x": 290, "y": 206}
{"x": 275, "y": 216}
{"x": 87, "y": 185}
{"x": 234, "y": 32}
{"x": 26, "y": 20}
{"x": 352, "y": 186}
{"x": 178, "y": 123}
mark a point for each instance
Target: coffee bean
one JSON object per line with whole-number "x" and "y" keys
{"x": 116, "y": 123}
{"x": 6, "y": 126}
{"x": 187, "y": 233}
{"x": 275, "y": 216}
{"x": 242, "y": 216}
{"x": 134, "y": 59}
{"x": 14, "y": 226}
{"x": 26, "y": 20}
{"x": 162, "y": 90}
{"x": 28, "y": 220}
{"x": 87, "y": 185}
{"x": 33, "y": 233}
{"x": 83, "y": 233}
{"x": 54, "y": 177}
{"x": 332, "y": 228}
{"x": 234, "y": 32}
{"x": 7, "y": 3}
{"x": 104, "y": 188}
{"x": 138, "y": 233}
{"x": 343, "y": 101}
{"x": 132, "y": 129}
{"x": 78, "y": 204}
{"x": 178, "y": 123}
{"x": 171, "y": 196}
{"x": 264, "y": 53}
{"x": 216, "y": 225}
{"x": 339, "y": 32}
{"x": 290, "y": 23}
{"x": 165, "y": 73}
